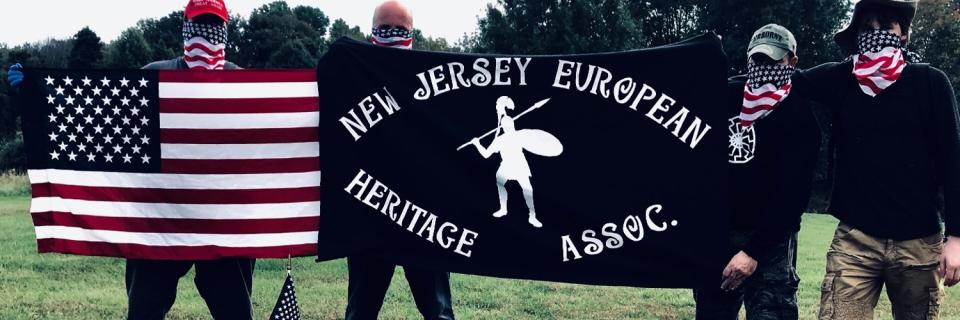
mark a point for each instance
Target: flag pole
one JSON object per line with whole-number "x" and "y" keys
{"x": 289, "y": 263}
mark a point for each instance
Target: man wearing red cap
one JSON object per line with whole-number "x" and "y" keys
{"x": 225, "y": 284}
{"x": 370, "y": 277}
{"x": 204, "y": 39}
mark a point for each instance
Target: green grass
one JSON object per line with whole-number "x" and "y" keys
{"x": 49, "y": 286}
{"x": 14, "y": 185}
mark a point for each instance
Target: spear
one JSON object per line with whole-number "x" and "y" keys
{"x": 535, "y": 106}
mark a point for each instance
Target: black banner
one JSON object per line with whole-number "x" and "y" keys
{"x": 611, "y": 166}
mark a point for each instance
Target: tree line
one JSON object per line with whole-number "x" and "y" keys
{"x": 276, "y": 35}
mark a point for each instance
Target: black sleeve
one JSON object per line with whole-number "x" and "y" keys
{"x": 825, "y": 82}
{"x": 783, "y": 210}
{"x": 947, "y": 124}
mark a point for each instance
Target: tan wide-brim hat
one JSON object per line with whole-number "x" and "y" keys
{"x": 847, "y": 38}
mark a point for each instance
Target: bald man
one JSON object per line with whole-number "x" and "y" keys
{"x": 370, "y": 277}
{"x": 392, "y": 26}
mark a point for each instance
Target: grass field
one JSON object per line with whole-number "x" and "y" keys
{"x": 51, "y": 286}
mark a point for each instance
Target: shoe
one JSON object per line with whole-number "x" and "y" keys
{"x": 534, "y": 222}
{"x": 500, "y": 213}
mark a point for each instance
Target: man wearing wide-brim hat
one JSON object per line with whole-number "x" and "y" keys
{"x": 896, "y": 139}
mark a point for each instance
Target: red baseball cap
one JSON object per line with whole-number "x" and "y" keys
{"x": 214, "y": 7}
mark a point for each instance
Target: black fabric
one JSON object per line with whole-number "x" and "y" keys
{"x": 369, "y": 279}
{"x": 772, "y": 170}
{"x": 617, "y": 165}
{"x": 894, "y": 152}
{"x": 224, "y": 284}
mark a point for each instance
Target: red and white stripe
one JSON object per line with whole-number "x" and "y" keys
{"x": 200, "y": 54}
{"x": 759, "y": 102}
{"x": 393, "y": 42}
{"x": 239, "y": 177}
{"x": 875, "y": 71}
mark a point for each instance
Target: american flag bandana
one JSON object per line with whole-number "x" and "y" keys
{"x": 394, "y": 37}
{"x": 203, "y": 45}
{"x": 767, "y": 86}
{"x": 880, "y": 61}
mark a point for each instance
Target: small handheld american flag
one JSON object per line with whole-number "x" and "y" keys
{"x": 173, "y": 164}
{"x": 287, "y": 307}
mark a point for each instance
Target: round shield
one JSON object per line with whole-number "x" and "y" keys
{"x": 539, "y": 142}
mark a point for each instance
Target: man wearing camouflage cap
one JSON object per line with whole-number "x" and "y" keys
{"x": 773, "y": 147}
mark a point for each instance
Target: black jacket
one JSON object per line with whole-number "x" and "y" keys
{"x": 770, "y": 186}
{"x": 894, "y": 152}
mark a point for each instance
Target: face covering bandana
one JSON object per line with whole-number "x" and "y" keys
{"x": 767, "y": 85}
{"x": 394, "y": 37}
{"x": 880, "y": 61}
{"x": 203, "y": 45}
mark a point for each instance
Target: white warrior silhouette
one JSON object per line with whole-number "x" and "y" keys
{"x": 510, "y": 144}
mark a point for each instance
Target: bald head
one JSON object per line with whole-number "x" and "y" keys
{"x": 392, "y": 13}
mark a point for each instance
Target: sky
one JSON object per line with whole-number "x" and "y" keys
{"x": 63, "y": 18}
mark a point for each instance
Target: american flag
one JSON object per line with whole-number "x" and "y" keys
{"x": 758, "y": 102}
{"x": 880, "y": 62}
{"x": 173, "y": 164}
{"x": 392, "y": 37}
{"x": 286, "y": 307}
{"x": 875, "y": 71}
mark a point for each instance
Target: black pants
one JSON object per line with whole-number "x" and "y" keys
{"x": 770, "y": 293}
{"x": 370, "y": 278}
{"x": 225, "y": 285}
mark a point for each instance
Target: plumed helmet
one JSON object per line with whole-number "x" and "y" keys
{"x": 505, "y": 103}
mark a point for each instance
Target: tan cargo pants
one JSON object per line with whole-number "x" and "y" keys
{"x": 859, "y": 265}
